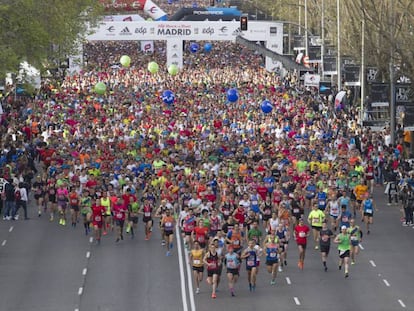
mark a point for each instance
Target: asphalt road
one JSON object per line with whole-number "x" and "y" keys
{"x": 44, "y": 266}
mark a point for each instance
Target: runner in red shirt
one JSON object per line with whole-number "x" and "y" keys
{"x": 200, "y": 234}
{"x": 97, "y": 219}
{"x": 301, "y": 234}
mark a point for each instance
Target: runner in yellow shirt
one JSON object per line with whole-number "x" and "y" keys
{"x": 315, "y": 219}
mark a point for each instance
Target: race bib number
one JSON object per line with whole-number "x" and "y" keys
{"x": 119, "y": 215}
{"x": 201, "y": 238}
{"x": 168, "y": 225}
{"x": 147, "y": 214}
{"x": 368, "y": 211}
{"x": 302, "y": 234}
{"x": 296, "y": 211}
{"x": 273, "y": 254}
{"x": 231, "y": 264}
{"x": 196, "y": 261}
{"x": 98, "y": 218}
{"x": 321, "y": 203}
{"x": 354, "y": 238}
{"x": 250, "y": 263}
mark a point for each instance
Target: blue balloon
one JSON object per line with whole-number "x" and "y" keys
{"x": 207, "y": 47}
{"x": 194, "y": 47}
{"x": 168, "y": 97}
{"x": 266, "y": 106}
{"x": 232, "y": 95}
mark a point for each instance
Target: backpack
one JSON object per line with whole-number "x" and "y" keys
{"x": 17, "y": 195}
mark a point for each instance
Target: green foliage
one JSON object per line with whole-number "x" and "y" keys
{"x": 36, "y": 31}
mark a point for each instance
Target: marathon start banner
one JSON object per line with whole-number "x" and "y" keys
{"x": 178, "y": 31}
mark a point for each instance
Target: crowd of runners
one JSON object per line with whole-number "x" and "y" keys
{"x": 239, "y": 184}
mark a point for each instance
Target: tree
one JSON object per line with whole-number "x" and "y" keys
{"x": 41, "y": 31}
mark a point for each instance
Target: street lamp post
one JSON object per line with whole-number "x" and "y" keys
{"x": 306, "y": 28}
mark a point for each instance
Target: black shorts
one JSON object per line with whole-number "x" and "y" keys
{"x": 317, "y": 228}
{"x": 210, "y": 273}
{"x": 119, "y": 222}
{"x": 75, "y": 208}
{"x": 198, "y": 269}
{"x": 52, "y": 198}
{"x": 187, "y": 233}
{"x": 303, "y": 245}
{"x": 266, "y": 217}
{"x": 168, "y": 233}
{"x": 325, "y": 249}
{"x": 134, "y": 219}
{"x": 146, "y": 219}
{"x": 37, "y": 196}
{"x": 272, "y": 262}
{"x": 233, "y": 271}
{"x": 359, "y": 202}
{"x": 249, "y": 268}
{"x": 344, "y": 254}
{"x": 369, "y": 214}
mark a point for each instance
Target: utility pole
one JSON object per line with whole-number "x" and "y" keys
{"x": 362, "y": 75}
{"x": 392, "y": 78}
{"x": 322, "y": 36}
{"x": 338, "y": 20}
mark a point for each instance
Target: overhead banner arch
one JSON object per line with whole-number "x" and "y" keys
{"x": 149, "y": 7}
{"x": 175, "y": 32}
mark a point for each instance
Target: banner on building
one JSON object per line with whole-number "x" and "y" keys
{"x": 379, "y": 94}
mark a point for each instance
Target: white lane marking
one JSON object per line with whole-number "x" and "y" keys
{"x": 296, "y": 300}
{"x": 88, "y": 254}
{"x": 181, "y": 266}
{"x": 288, "y": 280}
{"x": 372, "y": 263}
{"x": 11, "y": 229}
{"x": 76, "y": 309}
{"x": 91, "y": 239}
{"x": 189, "y": 274}
{"x": 360, "y": 246}
{"x": 386, "y": 282}
{"x": 84, "y": 271}
{"x": 4, "y": 243}
{"x": 401, "y": 303}
{"x": 80, "y": 291}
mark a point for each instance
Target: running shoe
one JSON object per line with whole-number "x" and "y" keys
{"x": 163, "y": 242}
{"x": 63, "y": 222}
{"x": 280, "y": 269}
{"x": 171, "y": 245}
{"x": 352, "y": 262}
{"x": 316, "y": 247}
{"x": 346, "y": 274}
{"x": 254, "y": 287}
{"x": 339, "y": 267}
{"x": 60, "y": 221}
{"x": 272, "y": 282}
{"x": 105, "y": 233}
{"x": 250, "y": 286}
{"x": 285, "y": 263}
{"x": 198, "y": 290}
{"x": 326, "y": 268}
{"x": 213, "y": 295}
{"x": 232, "y": 293}
{"x": 168, "y": 254}
{"x": 39, "y": 214}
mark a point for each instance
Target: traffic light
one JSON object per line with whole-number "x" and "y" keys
{"x": 243, "y": 23}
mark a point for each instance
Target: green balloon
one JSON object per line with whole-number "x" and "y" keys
{"x": 100, "y": 88}
{"x": 173, "y": 69}
{"x": 153, "y": 67}
{"x": 125, "y": 60}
